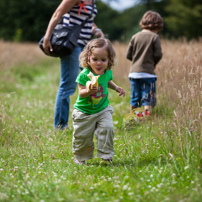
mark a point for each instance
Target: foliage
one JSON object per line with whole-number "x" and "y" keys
{"x": 108, "y": 20}
{"x": 185, "y": 18}
{"x": 30, "y": 16}
{"x": 27, "y": 20}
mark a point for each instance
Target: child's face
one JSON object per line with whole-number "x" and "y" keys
{"x": 98, "y": 60}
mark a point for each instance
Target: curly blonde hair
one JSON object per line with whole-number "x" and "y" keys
{"x": 151, "y": 20}
{"x": 97, "y": 43}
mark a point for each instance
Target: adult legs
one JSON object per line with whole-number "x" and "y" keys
{"x": 69, "y": 71}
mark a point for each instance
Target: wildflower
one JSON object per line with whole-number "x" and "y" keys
{"x": 3, "y": 196}
{"x": 116, "y": 186}
{"x": 116, "y": 122}
{"x": 159, "y": 185}
{"x": 54, "y": 174}
{"x": 26, "y": 191}
{"x": 170, "y": 155}
{"x": 125, "y": 187}
{"x": 174, "y": 175}
{"x": 15, "y": 168}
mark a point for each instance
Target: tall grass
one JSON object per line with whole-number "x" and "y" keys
{"x": 158, "y": 160}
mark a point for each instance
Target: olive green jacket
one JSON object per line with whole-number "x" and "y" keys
{"x": 144, "y": 51}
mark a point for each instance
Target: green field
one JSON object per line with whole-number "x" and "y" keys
{"x": 159, "y": 160}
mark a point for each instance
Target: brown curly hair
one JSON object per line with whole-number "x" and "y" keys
{"x": 97, "y": 43}
{"x": 151, "y": 20}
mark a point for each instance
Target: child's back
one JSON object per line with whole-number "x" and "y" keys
{"x": 144, "y": 52}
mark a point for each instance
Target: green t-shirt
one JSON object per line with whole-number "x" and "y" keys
{"x": 96, "y": 102}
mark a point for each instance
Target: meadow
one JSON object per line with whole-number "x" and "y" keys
{"x": 159, "y": 160}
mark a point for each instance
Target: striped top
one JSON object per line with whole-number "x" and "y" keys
{"x": 73, "y": 18}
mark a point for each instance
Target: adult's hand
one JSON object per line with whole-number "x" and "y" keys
{"x": 98, "y": 33}
{"x": 64, "y": 7}
{"x": 47, "y": 46}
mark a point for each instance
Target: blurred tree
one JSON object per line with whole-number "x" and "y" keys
{"x": 130, "y": 19}
{"x": 108, "y": 20}
{"x": 29, "y": 18}
{"x": 185, "y": 18}
{"x": 158, "y": 6}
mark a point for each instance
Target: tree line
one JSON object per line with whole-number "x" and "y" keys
{"x": 27, "y": 20}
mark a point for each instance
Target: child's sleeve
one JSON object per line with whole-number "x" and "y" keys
{"x": 109, "y": 75}
{"x": 157, "y": 51}
{"x": 129, "y": 52}
{"x": 82, "y": 79}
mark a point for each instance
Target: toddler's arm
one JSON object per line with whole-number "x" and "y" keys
{"x": 83, "y": 92}
{"x": 118, "y": 89}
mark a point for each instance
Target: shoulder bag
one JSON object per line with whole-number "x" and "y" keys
{"x": 64, "y": 39}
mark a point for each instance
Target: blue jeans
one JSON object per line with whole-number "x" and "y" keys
{"x": 69, "y": 72}
{"x": 143, "y": 92}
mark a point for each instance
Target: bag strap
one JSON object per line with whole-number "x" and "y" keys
{"x": 84, "y": 22}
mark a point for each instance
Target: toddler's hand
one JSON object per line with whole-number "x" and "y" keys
{"x": 93, "y": 89}
{"x": 120, "y": 91}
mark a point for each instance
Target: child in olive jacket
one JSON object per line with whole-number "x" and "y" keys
{"x": 144, "y": 51}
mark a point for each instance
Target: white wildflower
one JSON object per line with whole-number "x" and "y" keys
{"x": 170, "y": 155}
{"x": 174, "y": 175}
{"x": 125, "y": 187}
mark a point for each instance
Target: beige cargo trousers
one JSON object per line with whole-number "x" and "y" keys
{"x": 85, "y": 126}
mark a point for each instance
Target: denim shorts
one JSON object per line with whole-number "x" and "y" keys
{"x": 143, "y": 92}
